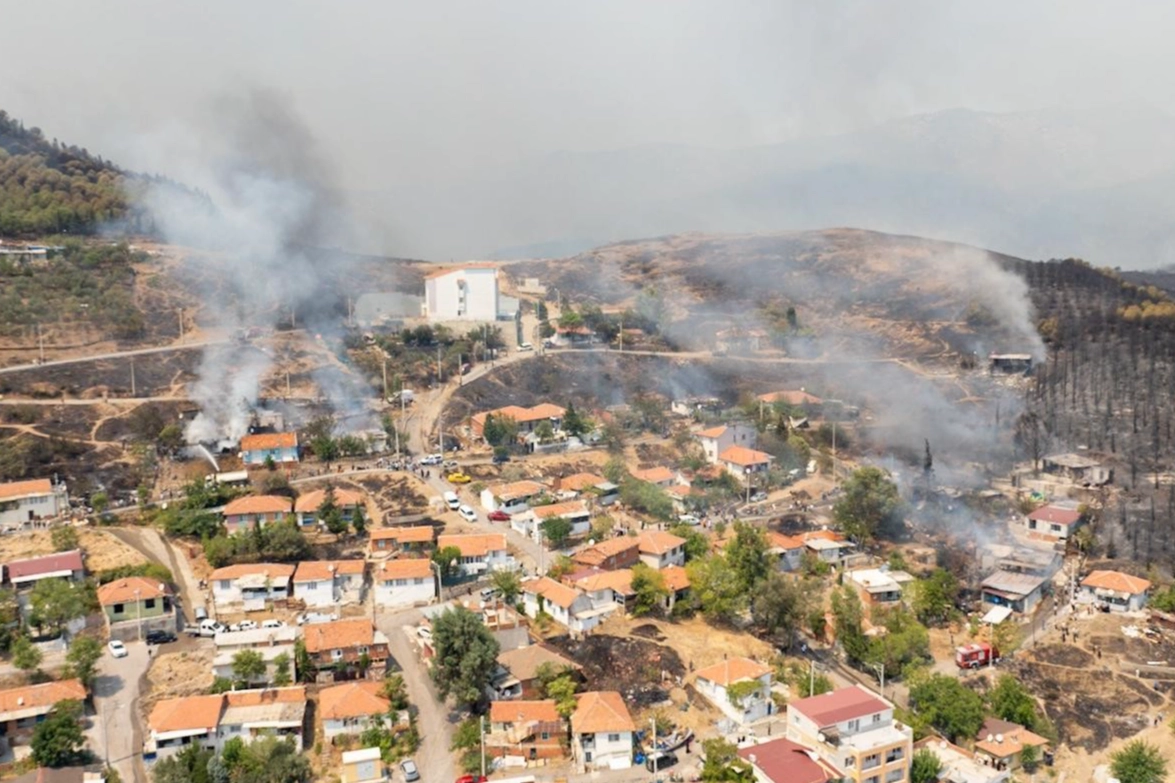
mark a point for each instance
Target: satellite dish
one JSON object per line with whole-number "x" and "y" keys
{"x": 999, "y": 738}
{"x": 821, "y": 738}
{"x": 990, "y": 738}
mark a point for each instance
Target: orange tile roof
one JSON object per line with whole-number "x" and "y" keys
{"x": 601, "y": 712}
{"x": 45, "y": 695}
{"x": 620, "y": 581}
{"x": 598, "y": 553}
{"x": 309, "y": 502}
{"x": 713, "y": 432}
{"x": 293, "y": 694}
{"x": 404, "y": 568}
{"x": 474, "y": 544}
{"x": 520, "y": 415}
{"x": 793, "y": 397}
{"x": 1116, "y": 581}
{"x": 20, "y": 489}
{"x": 120, "y": 591}
{"x": 258, "y": 504}
{"x": 654, "y": 475}
{"x": 517, "y": 490}
{"x": 560, "y": 595}
{"x": 580, "y": 481}
{"x": 569, "y": 508}
{"x": 318, "y": 570}
{"x": 186, "y": 713}
{"x": 744, "y": 457}
{"x": 778, "y": 540}
{"x": 733, "y": 670}
{"x": 353, "y": 700}
{"x": 271, "y": 570}
{"x": 339, "y": 635}
{"x": 524, "y": 712}
{"x": 675, "y": 578}
{"x": 405, "y": 535}
{"x": 269, "y": 440}
{"x": 658, "y": 542}
{"x": 1015, "y": 737}
{"x": 460, "y": 268}
{"x": 827, "y": 535}
{"x": 524, "y": 662}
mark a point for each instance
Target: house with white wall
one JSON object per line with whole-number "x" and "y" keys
{"x": 716, "y": 440}
{"x": 321, "y": 583}
{"x": 276, "y": 446}
{"x": 745, "y": 464}
{"x": 789, "y": 550}
{"x": 565, "y": 605}
{"x": 739, "y": 687}
{"x": 211, "y": 721}
{"x": 659, "y": 476}
{"x": 462, "y": 293}
{"x": 601, "y": 731}
{"x": 531, "y": 522}
{"x": 1114, "y": 590}
{"x": 480, "y": 552}
{"x": 352, "y": 708}
{"x": 854, "y": 731}
{"x": 408, "y": 581}
{"x": 245, "y": 513}
{"x": 388, "y": 541}
{"x": 660, "y": 549}
{"x": 306, "y": 508}
{"x": 26, "y": 502}
{"x": 512, "y": 498}
{"x": 250, "y": 585}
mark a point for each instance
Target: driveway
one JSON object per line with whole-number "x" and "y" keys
{"x": 433, "y": 718}
{"x": 116, "y": 732}
{"x": 157, "y": 548}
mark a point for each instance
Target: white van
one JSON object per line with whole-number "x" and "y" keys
{"x": 451, "y": 500}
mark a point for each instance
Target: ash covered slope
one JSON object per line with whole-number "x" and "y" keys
{"x": 855, "y": 293}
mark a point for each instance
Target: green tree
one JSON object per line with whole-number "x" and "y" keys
{"x": 574, "y": 424}
{"x": 396, "y": 691}
{"x": 645, "y": 497}
{"x": 248, "y": 666}
{"x": 848, "y": 617}
{"x": 723, "y": 764}
{"x": 82, "y": 658}
{"x": 304, "y": 666}
{"x": 25, "y": 655}
{"x": 99, "y": 502}
{"x": 869, "y": 505}
{"x": 359, "y": 521}
{"x": 934, "y": 596}
{"x": 58, "y": 740}
{"x": 747, "y": 555}
{"x": 697, "y": 544}
{"x": 64, "y": 538}
{"x": 650, "y": 589}
{"x": 948, "y": 705}
{"x": 281, "y": 670}
{"x": 507, "y": 583}
{"x": 500, "y": 430}
{"x": 545, "y": 432}
{"x": 1030, "y": 757}
{"x": 1139, "y": 762}
{"x": 447, "y": 560}
{"x": 556, "y": 530}
{"x": 329, "y": 513}
{"x": 925, "y": 767}
{"x": 466, "y": 655}
{"x": 190, "y": 765}
{"x": 1011, "y": 701}
{"x": 779, "y": 605}
{"x": 716, "y": 588}
{"x": 562, "y": 690}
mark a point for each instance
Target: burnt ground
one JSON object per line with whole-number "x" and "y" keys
{"x": 155, "y": 375}
{"x": 633, "y": 667}
{"x": 1090, "y": 705}
{"x": 395, "y": 495}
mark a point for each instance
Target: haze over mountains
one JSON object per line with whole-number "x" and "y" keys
{"x": 1095, "y": 183}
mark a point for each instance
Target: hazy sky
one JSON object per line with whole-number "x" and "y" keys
{"x": 442, "y": 90}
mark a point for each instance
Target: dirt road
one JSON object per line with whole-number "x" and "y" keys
{"x": 114, "y": 355}
{"x": 156, "y": 547}
{"x": 433, "y": 717}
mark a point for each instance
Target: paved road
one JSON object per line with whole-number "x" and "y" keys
{"x": 114, "y": 355}
{"x": 115, "y": 733}
{"x": 433, "y": 718}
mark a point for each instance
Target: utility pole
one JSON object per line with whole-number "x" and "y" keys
{"x": 653, "y": 747}
{"x": 440, "y": 377}
{"x": 460, "y": 370}
{"x": 812, "y": 677}
{"x": 622, "y": 334}
{"x": 385, "y": 378}
{"x": 481, "y": 730}
{"x": 288, "y": 392}
{"x": 181, "y": 325}
{"x": 134, "y": 393}
{"x": 41, "y": 343}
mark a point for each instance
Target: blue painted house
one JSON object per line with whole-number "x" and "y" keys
{"x": 281, "y": 446}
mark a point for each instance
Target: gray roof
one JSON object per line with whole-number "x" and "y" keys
{"x": 1013, "y": 583}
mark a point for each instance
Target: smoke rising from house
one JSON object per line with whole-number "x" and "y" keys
{"x": 271, "y": 204}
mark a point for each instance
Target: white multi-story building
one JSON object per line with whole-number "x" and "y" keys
{"x": 724, "y": 685}
{"x": 854, "y": 731}
{"x": 601, "y": 731}
{"x": 211, "y": 721}
{"x": 23, "y": 502}
{"x": 329, "y": 583}
{"x": 463, "y": 293}
{"x": 716, "y": 440}
{"x": 480, "y": 552}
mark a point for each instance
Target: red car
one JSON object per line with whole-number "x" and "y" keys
{"x": 495, "y": 516}
{"x": 471, "y": 779}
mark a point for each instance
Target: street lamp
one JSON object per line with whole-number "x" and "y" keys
{"x": 437, "y": 567}
{"x": 880, "y": 669}
{"x": 139, "y": 614}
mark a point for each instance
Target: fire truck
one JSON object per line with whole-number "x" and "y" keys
{"x": 972, "y": 656}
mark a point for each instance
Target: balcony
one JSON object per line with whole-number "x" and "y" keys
{"x": 870, "y": 762}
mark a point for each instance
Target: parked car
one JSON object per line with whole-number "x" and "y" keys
{"x": 689, "y": 519}
{"x": 432, "y": 459}
{"x": 117, "y": 648}
{"x": 488, "y": 593}
{"x": 451, "y": 500}
{"x": 499, "y": 515}
{"x": 450, "y": 464}
{"x": 660, "y": 760}
{"x": 273, "y": 624}
{"x": 206, "y": 627}
{"x": 758, "y": 497}
{"x": 244, "y": 625}
{"x": 500, "y": 458}
{"x": 525, "y": 347}
{"x": 408, "y": 767}
{"x": 471, "y": 779}
{"x": 459, "y": 478}
{"x": 424, "y": 632}
{"x": 159, "y": 637}
{"x": 310, "y": 618}
{"x": 467, "y": 513}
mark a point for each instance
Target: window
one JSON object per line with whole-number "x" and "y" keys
{"x": 614, "y": 738}
{"x": 1056, "y": 528}
{"x": 877, "y": 717}
{"x": 894, "y": 775}
{"x": 336, "y": 655}
{"x": 855, "y": 724}
{"x": 363, "y": 650}
{"x": 1032, "y": 524}
{"x": 119, "y": 608}
{"x": 850, "y": 762}
{"x": 895, "y": 754}
{"x": 874, "y": 779}
{"x": 149, "y": 603}
{"x": 545, "y": 735}
{"x": 226, "y": 584}
{"x": 312, "y": 585}
{"x": 401, "y": 582}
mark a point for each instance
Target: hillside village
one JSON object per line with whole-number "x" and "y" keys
{"x": 728, "y": 585}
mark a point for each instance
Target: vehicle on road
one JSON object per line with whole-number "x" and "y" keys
{"x": 659, "y": 760}
{"x": 424, "y": 632}
{"x": 471, "y": 779}
{"x": 451, "y": 500}
{"x": 467, "y": 513}
{"x": 689, "y": 519}
{"x": 500, "y": 458}
{"x": 244, "y": 625}
{"x": 206, "y": 627}
{"x": 408, "y": 767}
{"x": 758, "y": 497}
{"x": 499, "y": 515}
{"x": 273, "y": 624}
{"x": 973, "y": 656}
{"x": 432, "y": 459}
{"x": 117, "y": 648}
{"x": 459, "y": 478}
{"x": 159, "y": 637}
{"x": 488, "y": 593}
{"x": 451, "y": 464}
{"x": 525, "y": 347}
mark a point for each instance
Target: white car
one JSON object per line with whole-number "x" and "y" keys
{"x": 273, "y": 624}
{"x": 432, "y": 459}
{"x": 525, "y": 347}
{"x": 117, "y": 648}
{"x": 244, "y": 625}
{"x": 467, "y": 513}
{"x": 424, "y": 632}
